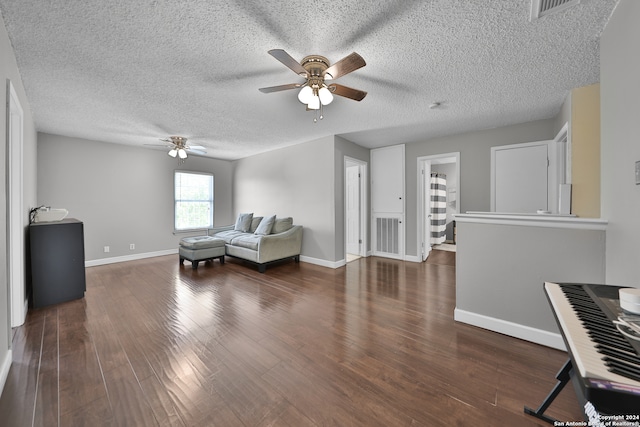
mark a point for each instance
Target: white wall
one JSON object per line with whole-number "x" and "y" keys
{"x": 620, "y": 142}
{"x": 122, "y": 194}
{"x": 9, "y": 71}
{"x": 296, "y": 181}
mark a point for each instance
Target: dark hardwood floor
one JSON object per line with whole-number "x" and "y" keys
{"x": 373, "y": 343}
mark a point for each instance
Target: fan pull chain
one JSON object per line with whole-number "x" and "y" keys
{"x": 315, "y": 119}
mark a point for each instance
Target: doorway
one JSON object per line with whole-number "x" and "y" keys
{"x": 355, "y": 179}
{"x": 447, "y": 168}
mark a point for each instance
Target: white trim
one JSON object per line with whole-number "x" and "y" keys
{"x": 113, "y": 260}
{"x": 527, "y": 333}
{"x": 565, "y": 133}
{"x": 549, "y": 221}
{"x": 413, "y": 258}
{"x": 364, "y": 191}
{"x": 4, "y": 369}
{"x": 16, "y": 213}
{"x": 210, "y": 201}
{"x": 323, "y": 262}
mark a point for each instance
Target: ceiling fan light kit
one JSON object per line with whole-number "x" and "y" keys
{"x": 178, "y": 147}
{"x": 315, "y": 93}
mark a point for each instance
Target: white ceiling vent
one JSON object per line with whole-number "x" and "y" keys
{"x": 540, "y": 8}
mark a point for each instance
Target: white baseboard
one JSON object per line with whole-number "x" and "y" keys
{"x": 4, "y": 369}
{"x": 412, "y": 258}
{"x": 322, "y": 262}
{"x": 523, "y": 332}
{"x": 113, "y": 260}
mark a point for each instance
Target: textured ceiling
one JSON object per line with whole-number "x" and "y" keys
{"x": 131, "y": 72}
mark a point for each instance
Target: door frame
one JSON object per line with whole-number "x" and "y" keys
{"x": 362, "y": 217}
{"x": 15, "y": 209}
{"x": 424, "y": 163}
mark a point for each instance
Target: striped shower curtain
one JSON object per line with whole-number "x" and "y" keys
{"x": 438, "y": 207}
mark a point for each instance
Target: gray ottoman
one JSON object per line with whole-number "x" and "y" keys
{"x": 201, "y": 248}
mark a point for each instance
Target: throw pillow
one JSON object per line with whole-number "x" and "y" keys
{"x": 243, "y": 223}
{"x": 255, "y": 222}
{"x": 266, "y": 225}
{"x": 282, "y": 224}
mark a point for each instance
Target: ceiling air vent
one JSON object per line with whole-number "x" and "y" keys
{"x": 540, "y": 8}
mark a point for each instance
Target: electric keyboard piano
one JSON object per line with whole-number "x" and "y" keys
{"x": 604, "y": 365}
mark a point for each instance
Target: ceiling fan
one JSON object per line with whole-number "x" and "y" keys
{"x": 178, "y": 147}
{"x": 316, "y": 90}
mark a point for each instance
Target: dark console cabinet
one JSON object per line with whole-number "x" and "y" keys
{"x": 57, "y": 261}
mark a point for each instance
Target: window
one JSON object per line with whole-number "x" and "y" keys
{"x": 193, "y": 201}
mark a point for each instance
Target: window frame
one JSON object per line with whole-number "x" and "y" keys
{"x": 211, "y": 201}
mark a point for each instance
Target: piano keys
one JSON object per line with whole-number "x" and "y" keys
{"x": 604, "y": 364}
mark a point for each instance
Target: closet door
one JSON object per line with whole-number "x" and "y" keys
{"x": 387, "y": 201}
{"x": 520, "y": 178}
{"x": 387, "y": 179}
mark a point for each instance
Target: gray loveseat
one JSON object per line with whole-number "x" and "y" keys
{"x": 261, "y": 240}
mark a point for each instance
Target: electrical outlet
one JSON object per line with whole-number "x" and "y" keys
{"x": 106, "y": 249}
{"x": 132, "y": 246}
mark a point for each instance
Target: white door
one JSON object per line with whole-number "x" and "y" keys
{"x": 387, "y": 179}
{"x": 520, "y": 178}
{"x": 352, "y": 220}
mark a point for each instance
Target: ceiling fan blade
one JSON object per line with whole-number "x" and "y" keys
{"x": 158, "y": 145}
{"x": 191, "y": 150}
{"x": 196, "y": 147}
{"x": 346, "y": 65}
{"x": 347, "y": 92}
{"x": 279, "y": 88}
{"x": 287, "y": 60}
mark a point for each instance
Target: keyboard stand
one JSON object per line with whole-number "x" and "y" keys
{"x": 563, "y": 378}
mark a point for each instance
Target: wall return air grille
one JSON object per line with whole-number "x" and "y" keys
{"x": 540, "y": 8}
{"x": 387, "y": 236}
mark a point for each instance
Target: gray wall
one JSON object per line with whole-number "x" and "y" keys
{"x": 296, "y": 181}
{"x": 305, "y": 181}
{"x": 475, "y": 166}
{"x": 620, "y": 142}
{"x": 9, "y": 71}
{"x": 122, "y": 194}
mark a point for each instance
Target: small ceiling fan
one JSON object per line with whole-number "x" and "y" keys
{"x": 178, "y": 147}
{"x": 316, "y": 90}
